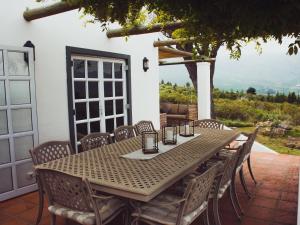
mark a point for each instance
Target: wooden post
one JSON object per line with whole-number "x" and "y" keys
{"x": 173, "y": 41}
{"x": 56, "y": 8}
{"x": 143, "y": 29}
{"x": 208, "y": 60}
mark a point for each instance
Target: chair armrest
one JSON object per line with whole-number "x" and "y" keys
{"x": 177, "y": 202}
{"x": 245, "y": 134}
{"x": 102, "y": 197}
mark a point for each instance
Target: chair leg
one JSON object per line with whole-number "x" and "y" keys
{"x": 243, "y": 182}
{"x": 41, "y": 206}
{"x": 205, "y": 217}
{"x": 234, "y": 194}
{"x": 216, "y": 211}
{"x": 233, "y": 202}
{"x": 250, "y": 169}
{"x": 53, "y": 218}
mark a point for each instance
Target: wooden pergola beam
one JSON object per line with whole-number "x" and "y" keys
{"x": 176, "y": 52}
{"x": 121, "y": 32}
{"x": 173, "y": 41}
{"x": 56, "y": 8}
{"x": 163, "y": 63}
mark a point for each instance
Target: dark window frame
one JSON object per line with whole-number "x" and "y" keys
{"x": 89, "y": 52}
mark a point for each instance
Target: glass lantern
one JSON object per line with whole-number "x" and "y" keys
{"x": 186, "y": 128}
{"x": 169, "y": 135}
{"x": 150, "y": 142}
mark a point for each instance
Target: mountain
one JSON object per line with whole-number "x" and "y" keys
{"x": 271, "y": 70}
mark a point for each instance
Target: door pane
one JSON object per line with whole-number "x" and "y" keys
{"x": 1, "y": 64}
{"x": 6, "y": 184}
{"x": 2, "y": 93}
{"x": 93, "y": 90}
{"x": 79, "y": 68}
{"x": 109, "y": 108}
{"x": 22, "y": 146}
{"x": 3, "y": 122}
{"x": 108, "y": 89}
{"x": 4, "y": 151}
{"x": 94, "y": 109}
{"x": 81, "y": 130}
{"x": 120, "y": 121}
{"x": 92, "y": 69}
{"x": 95, "y": 126}
{"x": 17, "y": 66}
{"x": 21, "y": 120}
{"x": 24, "y": 172}
{"x": 118, "y": 70}
{"x": 107, "y": 70}
{"x": 119, "y": 106}
{"x": 109, "y": 125}
{"x": 79, "y": 89}
{"x": 19, "y": 92}
{"x": 80, "y": 109}
{"x": 119, "y": 88}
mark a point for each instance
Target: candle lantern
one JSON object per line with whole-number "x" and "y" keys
{"x": 186, "y": 128}
{"x": 150, "y": 142}
{"x": 169, "y": 135}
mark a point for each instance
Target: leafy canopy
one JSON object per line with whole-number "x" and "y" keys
{"x": 215, "y": 21}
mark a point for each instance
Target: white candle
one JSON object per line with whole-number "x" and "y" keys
{"x": 169, "y": 135}
{"x": 149, "y": 143}
{"x": 187, "y": 129}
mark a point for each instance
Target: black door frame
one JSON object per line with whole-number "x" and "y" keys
{"x": 89, "y": 52}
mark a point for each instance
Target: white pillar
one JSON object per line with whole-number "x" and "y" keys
{"x": 203, "y": 84}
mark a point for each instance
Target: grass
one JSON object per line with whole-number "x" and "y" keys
{"x": 276, "y": 144}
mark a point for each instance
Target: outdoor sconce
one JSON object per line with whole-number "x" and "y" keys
{"x": 150, "y": 142}
{"x": 169, "y": 135}
{"x": 145, "y": 64}
{"x": 186, "y": 128}
{"x": 29, "y": 44}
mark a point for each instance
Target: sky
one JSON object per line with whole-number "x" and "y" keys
{"x": 272, "y": 69}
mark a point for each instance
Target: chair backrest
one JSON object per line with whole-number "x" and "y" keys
{"x": 210, "y": 124}
{"x": 247, "y": 146}
{"x": 50, "y": 151}
{"x": 95, "y": 140}
{"x": 230, "y": 166}
{"x": 143, "y": 126}
{"x": 66, "y": 190}
{"x": 123, "y": 133}
{"x": 197, "y": 191}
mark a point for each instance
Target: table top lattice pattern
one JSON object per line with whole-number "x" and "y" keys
{"x": 105, "y": 167}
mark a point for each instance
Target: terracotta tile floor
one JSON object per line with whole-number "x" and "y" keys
{"x": 274, "y": 200}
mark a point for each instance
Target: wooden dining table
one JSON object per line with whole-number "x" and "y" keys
{"x": 141, "y": 180}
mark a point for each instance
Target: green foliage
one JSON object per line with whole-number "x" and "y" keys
{"x": 177, "y": 94}
{"x": 236, "y": 123}
{"x": 251, "y": 90}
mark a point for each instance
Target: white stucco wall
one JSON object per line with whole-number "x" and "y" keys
{"x": 51, "y": 36}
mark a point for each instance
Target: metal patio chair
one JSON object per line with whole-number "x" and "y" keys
{"x": 123, "y": 133}
{"x": 210, "y": 124}
{"x": 182, "y": 209}
{"x": 226, "y": 182}
{"x": 44, "y": 153}
{"x": 73, "y": 198}
{"x": 248, "y": 142}
{"x": 143, "y": 126}
{"x": 95, "y": 140}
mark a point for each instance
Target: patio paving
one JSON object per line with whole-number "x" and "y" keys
{"x": 274, "y": 200}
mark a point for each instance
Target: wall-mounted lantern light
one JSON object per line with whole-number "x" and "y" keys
{"x": 145, "y": 64}
{"x": 29, "y": 44}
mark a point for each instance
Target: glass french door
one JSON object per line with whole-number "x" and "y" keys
{"x": 18, "y": 124}
{"x": 99, "y": 95}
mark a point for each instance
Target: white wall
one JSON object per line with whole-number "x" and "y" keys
{"x": 51, "y": 36}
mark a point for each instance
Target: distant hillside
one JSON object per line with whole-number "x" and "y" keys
{"x": 273, "y": 69}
